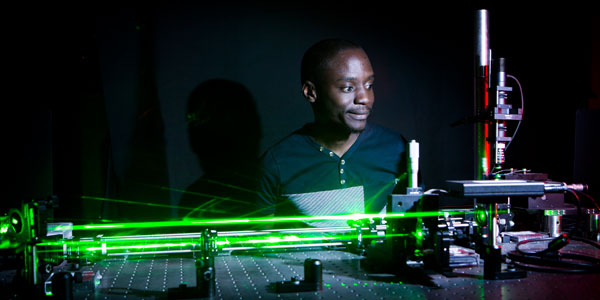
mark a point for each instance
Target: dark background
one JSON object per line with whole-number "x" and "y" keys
{"x": 96, "y": 98}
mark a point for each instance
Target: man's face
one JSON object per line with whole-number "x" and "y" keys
{"x": 344, "y": 95}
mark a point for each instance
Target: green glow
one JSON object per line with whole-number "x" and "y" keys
{"x": 120, "y": 242}
{"x": 215, "y": 197}
{"x": 31, "y": 217}
{"x": 4, "y": 228}
{"x": 62, "y": 242}
{"x": 113, "y": 246}
{"x": 275, "y": 240}
{"x": 213, "y": 222}
{"x": 15, "y": 221}
{"x": 218, "y": 183}
{"x": 553, "y": 212}
{"x": 115, "y": 243}
{"x": 270, "y": 240}
{"x": 386, "y": 186}
{"x": 480, "y": 216}
{"x": 140, "y": 246}
{"x": 386, "y": 235}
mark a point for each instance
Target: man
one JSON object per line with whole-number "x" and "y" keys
{"x": 340, "y": 164}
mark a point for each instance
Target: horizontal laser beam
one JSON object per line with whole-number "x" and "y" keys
{"x": 214, "y": 222}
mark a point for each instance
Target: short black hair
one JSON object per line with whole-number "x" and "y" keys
{"x": 315, "y": 59}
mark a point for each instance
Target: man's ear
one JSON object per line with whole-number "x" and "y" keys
{"x": 309, "y": 91}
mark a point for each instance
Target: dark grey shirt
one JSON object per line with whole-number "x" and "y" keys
{"x": 299, "y": 177}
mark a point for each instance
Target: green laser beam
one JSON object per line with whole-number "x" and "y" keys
{"x": 148, "y": 204}
{"x": 197, "y": 194}
{"x": 239, "y": 188}
{"x": 133, "y": 202}
{"x": 112, "y": 244}
{"x": 121, "y": 245}
{"x": 200, "y": 207}
{"x": 275, "y": 240}
{"x": 213, "y": 222}
{"x": 386, "y": 186}
{"x": 204, "y": 222}
{"x": 208, "y": 222}
{"x": 153, "y": 246}
{"x": 114, "y": 240}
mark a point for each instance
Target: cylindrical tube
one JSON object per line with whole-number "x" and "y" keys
{"x": 414, "y": 163}
{"x": 482, "y": 68}
{"x": 205, "y": 276}
{"x": 593, "y": 221}
{"x": 62, "y": 285}
{"x": 552, "y": 225}
{"x": 313, "y": 272}
{"x": 482, "y": 38}
{"x": 501, "y": 72}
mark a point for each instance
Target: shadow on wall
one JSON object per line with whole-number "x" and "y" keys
{"x": 224, "y": 132}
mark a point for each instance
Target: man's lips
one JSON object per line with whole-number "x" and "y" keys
{"x": 359, "y": 115}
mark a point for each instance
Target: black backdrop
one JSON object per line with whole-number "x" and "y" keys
{"x": 104, "y": 91}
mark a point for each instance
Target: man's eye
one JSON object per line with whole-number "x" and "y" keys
{"x": 369, "y": 86}
{"x": 347, "y": 89}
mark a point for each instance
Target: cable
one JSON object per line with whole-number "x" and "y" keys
{"x": 590, "y": 197}
{"x": 557, "y": 264}
{"x": 578, "y": 220}
{"x": 589, "y": 242}
{"x": 540, "y": 253}
{"x": 522, "y": 110}
{"x": 519, "y": 124}
{"x": 551, "y": 260}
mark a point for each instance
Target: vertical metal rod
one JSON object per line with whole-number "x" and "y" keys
{"x": 482, "y": 56}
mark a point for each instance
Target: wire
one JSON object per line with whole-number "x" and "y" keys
{"x": 557, "y": 264}
{"x": 551, "y": 259}
{"x": 522, "y": 110}
{"x": 590, "y": 197}
{"x": 578, "y": 220}
{"x": 518, "y": 124}
{"x": 589, "y": 242}
{"x": 537, "y": 253}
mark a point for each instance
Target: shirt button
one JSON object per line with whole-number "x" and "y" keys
{"x": 343, "y": 162}
{"x": 321, "y": 149}
{"x": 331, "y": 154}
{"x": 342, "y": 181}
{"x": 341, "y": 171}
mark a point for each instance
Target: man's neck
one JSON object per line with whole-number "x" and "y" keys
{"x": 338, "y": 141}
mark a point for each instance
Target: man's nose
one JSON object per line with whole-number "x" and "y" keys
{"x": 363, "y": 96}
